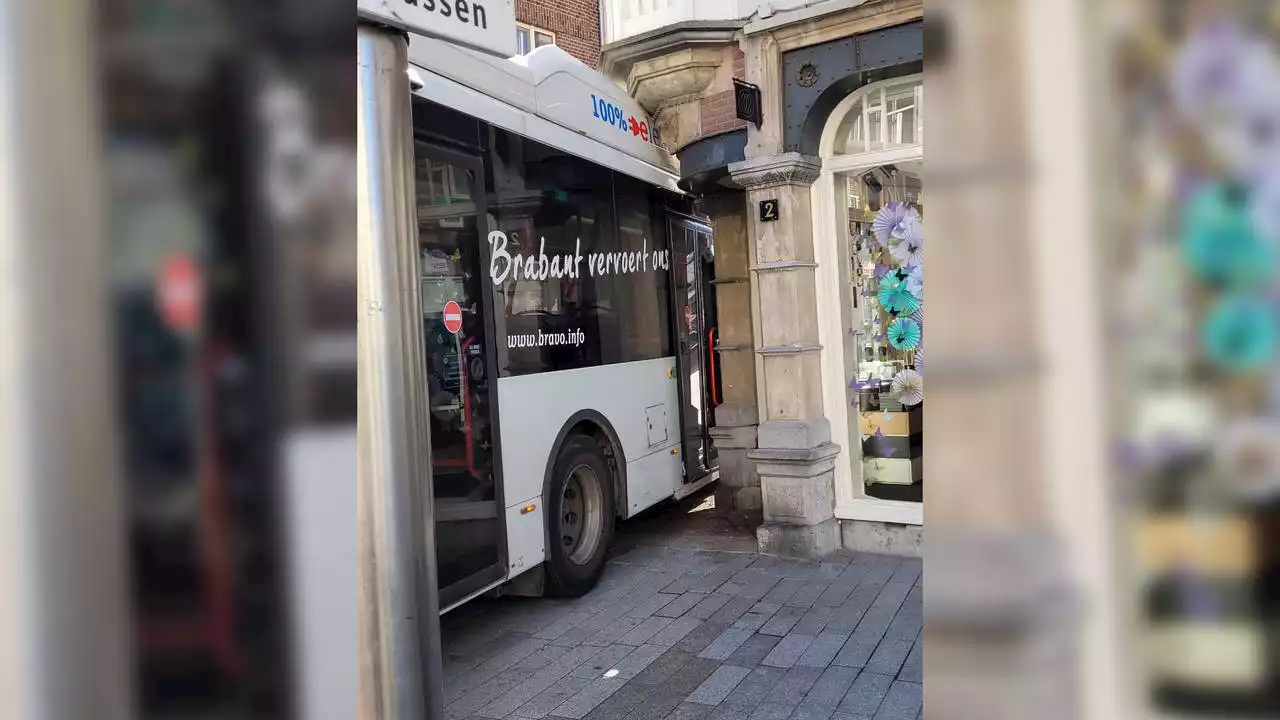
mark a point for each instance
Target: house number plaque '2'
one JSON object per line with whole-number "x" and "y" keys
{"x": 769, "y": 210}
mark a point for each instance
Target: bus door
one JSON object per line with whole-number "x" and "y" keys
{"x": 460, "y": 364}
{"x": 692, "y": 267}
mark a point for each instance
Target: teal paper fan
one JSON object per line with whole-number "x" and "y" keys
{"x": 1239, "y": 334}
{"x": 896, "y": 298}
{"x": 904, "y": 334}
{"x": 1220, "y": 242}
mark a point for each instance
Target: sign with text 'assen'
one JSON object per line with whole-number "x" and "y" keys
{"x": 488, "y": 25}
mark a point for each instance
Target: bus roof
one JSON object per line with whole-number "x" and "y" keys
{"x": 549, "y": 96}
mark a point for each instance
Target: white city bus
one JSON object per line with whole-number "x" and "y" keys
{"x": 574, "y": 383}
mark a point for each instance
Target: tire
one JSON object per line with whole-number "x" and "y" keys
{"x": 580, "y": 518}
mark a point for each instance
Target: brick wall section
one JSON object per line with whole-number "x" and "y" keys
{"x": 718, "y": 113}
{"x": 576, "y": 24}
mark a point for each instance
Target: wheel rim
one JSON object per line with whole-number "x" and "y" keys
{"x": 581, "y": 514}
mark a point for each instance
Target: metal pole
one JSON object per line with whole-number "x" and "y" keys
{"x": 400, "y": 663}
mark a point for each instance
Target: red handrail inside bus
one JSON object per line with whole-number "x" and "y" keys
{"x": 711, "y": 365}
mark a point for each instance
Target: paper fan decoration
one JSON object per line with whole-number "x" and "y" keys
{"x": 1239, "y": 335}
{"x": 919, "y": 357}
{"x": 1220, "y": 241}
{"x": 904, "y": 334}
{"x": 915, "y": 280}
{"x": 908, "y": 387}
{"x": 888, "y": 220}
{"x": 907, "y": 247}
{"x": 895, "y": 298}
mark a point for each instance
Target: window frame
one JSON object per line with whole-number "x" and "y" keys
{"x": 533, "y": 31}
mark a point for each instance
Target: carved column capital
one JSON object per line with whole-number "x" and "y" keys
{"x": 790, "y": 168}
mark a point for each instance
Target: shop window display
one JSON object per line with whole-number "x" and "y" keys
{"x": 886, "y": 228}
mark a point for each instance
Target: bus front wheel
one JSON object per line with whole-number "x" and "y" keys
{"x": 580, "y": 518}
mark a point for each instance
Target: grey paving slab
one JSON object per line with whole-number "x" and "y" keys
{"x": 808, "y": 593}
{"x": 675, "y": 632}
{"x": 602, "y": 662}
{"x": 913, "y": 667}
{"x": 585, "y": 700}
{"x": 470, "y": 702}
{"x": 889, "y": 655}
{"x": 725, "y": 644}
{"x": 621, "y": 703}
{"x": 909, "y": 619}
{"x": 793, "y": 686}
{"x": 732, "y": 611}
{"x": 680, "y": 605}
{"x": 727, "y": 711}
{"x": 690, "y": 711}
{"x": 840, "y": 588}
{"x": 772, "y": 711}
{"x": 782, "y": 621}
{"x": 752, "y": 621}
{"x": 652, "y": 605}
{"x": 688, "y": 677}
{"x": 766, "y": 607}
{"x": 643, "y": 656}
{"x": 685, "y": 582}
{"x": 784, "y": 590}
{"x": 645, "y": 631}
{"x": 810, "y": 711}
{"x": 756, "y": 687}
{"x": 788, "y": 650}
{"x": 758, "y": 590}
{"x": 713, "y": 580}
{"x": 709, "y": 605}
{"x": 610, "y": 633}
{"x": 661, "y": 669}
{"x": 814, "y": 620}
{"x": 909, "y": 571}
{"x": 902, "y": 702}
{"x": 561, "y": 625}
{"x": 542, "y": 658}
{"x": 858, "y": 650}
{"x": 575, "y": 637}
{"x": 865, "y": 695}
{"x": 830, "y": 688}
{"x": 551, "y": 698}
{"x": 718, "y": 685}
{"x": 823, "y": 649}
{"x": 541, "y": 678}
{"x": 702, "y": 636}
{"x": 755, "y": 649}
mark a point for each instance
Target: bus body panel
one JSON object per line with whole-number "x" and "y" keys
{"x": 535, "y": 408}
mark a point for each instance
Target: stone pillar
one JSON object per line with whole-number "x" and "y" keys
{"x": 736, "y": 423}
{"x": 795, "y": 457}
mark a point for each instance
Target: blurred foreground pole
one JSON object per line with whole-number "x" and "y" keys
{"x": 400, "y": 664}
{"x": 64, "y": 652}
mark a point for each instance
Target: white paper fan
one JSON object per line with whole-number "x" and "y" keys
{"x": 908, "y": 387}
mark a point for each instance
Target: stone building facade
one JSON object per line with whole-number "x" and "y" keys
{"x": 787, "y": 435}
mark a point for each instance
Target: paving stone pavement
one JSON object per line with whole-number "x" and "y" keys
{"x": 677, "y": 633}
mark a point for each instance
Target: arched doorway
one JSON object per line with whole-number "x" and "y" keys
{"x": 872, "y": 150}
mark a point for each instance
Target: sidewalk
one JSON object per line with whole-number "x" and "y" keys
{"x": 682, "y": 632}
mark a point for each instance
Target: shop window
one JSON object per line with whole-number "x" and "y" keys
{"x": 529, "y": 38}
{"x": 886, "y": 210}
